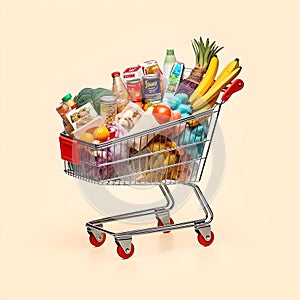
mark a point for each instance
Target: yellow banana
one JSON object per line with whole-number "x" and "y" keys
{"x": 207, "y": 81}
{"x": 215, "y": 90}
{"x": 227, "y": 70}
{"x": 209, "y": 105}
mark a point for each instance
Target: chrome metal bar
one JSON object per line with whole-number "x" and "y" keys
{"x": 149, "y": 131}
{"x": 168, "y": 206}
{"x": 168, "y": 195}
{"x": 181, "y": 225}
{"x": 211, "y": 136}
{"x": 202, "y": 200}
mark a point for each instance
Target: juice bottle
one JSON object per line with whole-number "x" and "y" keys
{"x": 69, "y": 101}
{"x": 63, "y": 109}
{"x": 119, "y": 91}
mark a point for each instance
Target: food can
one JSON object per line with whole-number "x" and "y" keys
{"x": 134, "y": 88}
{"x": 152, "y": 89}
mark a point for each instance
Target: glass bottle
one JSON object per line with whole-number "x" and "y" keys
{"x": 119, "y": 91}
{"x": 63, "y": 109}
{"x": 69, "y": 101}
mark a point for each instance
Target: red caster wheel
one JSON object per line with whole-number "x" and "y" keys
{"x": 95, "y": 242}
{"x": 203, "y": 241}
{"x": 123, "y": 254}
{"x": 160, "y": 223}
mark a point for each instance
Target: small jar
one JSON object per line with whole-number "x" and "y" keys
{"x": 108, "y": 109}
{"x": 69, "y": 101}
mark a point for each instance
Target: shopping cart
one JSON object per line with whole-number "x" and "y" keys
{"x": 170, "y": 154}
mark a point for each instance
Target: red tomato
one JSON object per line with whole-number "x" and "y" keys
{"x": 162, "y": 113}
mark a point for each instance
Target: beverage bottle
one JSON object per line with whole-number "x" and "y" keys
{"x": 119, "y": 91}
{"x": 169, "y": 61}
{"x": 63, "y": 109}
{"x": 69, "y": 101}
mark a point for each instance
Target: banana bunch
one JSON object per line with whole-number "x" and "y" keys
{"x": 209, "y": 89}
{"x": 165, "y": 159}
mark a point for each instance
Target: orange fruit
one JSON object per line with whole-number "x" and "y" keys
{"x": 101, "y": 133}
{"x": 87, "y": 137}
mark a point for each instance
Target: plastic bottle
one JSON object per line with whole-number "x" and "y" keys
{"x": 119, "y": 91}
{"x": 169, "y": 61}
{"x": 69, "y": 101}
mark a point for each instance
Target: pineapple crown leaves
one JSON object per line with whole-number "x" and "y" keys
{"x": 204, "y": 51}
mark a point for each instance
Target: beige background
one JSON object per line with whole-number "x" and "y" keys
{"x": 50, "y": 48}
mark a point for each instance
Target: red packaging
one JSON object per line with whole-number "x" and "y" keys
{"x": 134, "y": 88}
{"x": 133, "y": 73}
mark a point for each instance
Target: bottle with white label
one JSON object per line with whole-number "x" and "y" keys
{"x": 169, "y": 61}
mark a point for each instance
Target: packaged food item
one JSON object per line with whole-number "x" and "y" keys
{"x": 174, "y": 80}
{"x": 69, "y": 101}
{"x": 119, "y": 91}
{"x": 63, "y": 109}
{"x": 152, "y": 67}
{"x": 147, "y": 121}
{"x": 89, "y": 127}
{"x": 108, "y": 108}
{"x": 81, "y": 116}
{"x": 134, "y": 88}
{"x": 133, "y": 73}
{"x": 169, "y": 61}
{"x": 129, "y": 116}
{"x": 152, "y": 89}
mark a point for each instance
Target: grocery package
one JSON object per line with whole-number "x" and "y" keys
{"x": 129, "y": 116}
{"x": 174, "y": 79}
{"x": 154, "y": 126}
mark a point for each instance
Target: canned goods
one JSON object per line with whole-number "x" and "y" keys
{"x": 152, "y": 90}
{"x": 134, "y": 88}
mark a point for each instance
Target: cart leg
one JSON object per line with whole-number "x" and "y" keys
{"x": 203, "y": 202}
{"x": 168, "y": 206}
{"x": 163, "y": 215}
{"x": 202, "y": 226}
{"x": 169, "y": 197}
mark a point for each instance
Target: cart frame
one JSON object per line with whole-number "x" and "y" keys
{"x": 70, "y": 152}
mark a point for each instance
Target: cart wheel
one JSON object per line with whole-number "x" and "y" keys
{"x": 95, "y": 242}
{"x": 123, "y": 254}
{"x": 203, "y": 241}
{"x": 160, "y": 223}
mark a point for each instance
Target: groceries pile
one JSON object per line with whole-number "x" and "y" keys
{"x": 144, "y": 97}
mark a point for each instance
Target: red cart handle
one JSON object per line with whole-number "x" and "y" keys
{"x": 235, "y": 86}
